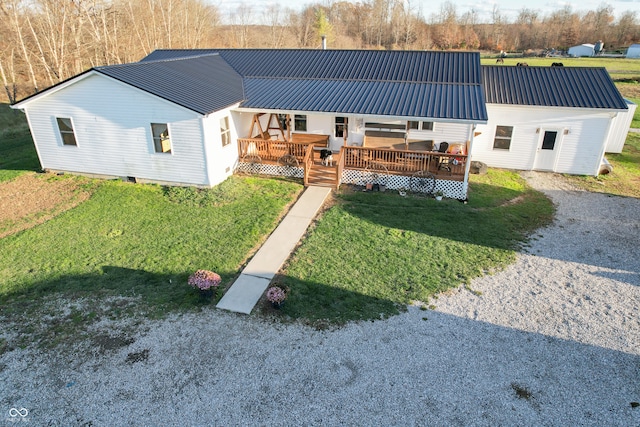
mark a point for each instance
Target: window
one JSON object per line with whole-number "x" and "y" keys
{"x": 549, "y": 140}
{"x": 341, "y": 127}
{"x": 427, "y": 125}
{"x": 419, "y": 125}
{"x": 300, "y": 122}
{"x": 225, "y": 131}
{"x": 161, "y": 140}
{"x": 66, "y": 131}
{"x": 502, "y": 140}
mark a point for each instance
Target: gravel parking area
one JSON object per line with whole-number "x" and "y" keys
{"x": 552, "y": 340}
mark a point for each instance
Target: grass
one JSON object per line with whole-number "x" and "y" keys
{"x": 129, "y": 249}
{"x": 620, "y": 69}
{"x": 371, "y": 254}
{"x": 17, "y": 152}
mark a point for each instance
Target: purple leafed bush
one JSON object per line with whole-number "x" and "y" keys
{"x": 204, "y": 279}
{"x": 276, "y": 294}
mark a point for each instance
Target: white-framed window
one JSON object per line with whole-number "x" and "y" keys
{"x": 225, "y": 131}
{"x": 300, "y": 122}
{"x": 161, "y": 139}
{"x": 502, "y": 140}
{"x": 65, "y": 127}
{"x": 341, "y": 127}
{"x": 415, "y": 125}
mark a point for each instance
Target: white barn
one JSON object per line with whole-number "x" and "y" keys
{"x": 581, "y": 50}
{"x": 190, "y": 117}
{"x": 633, "y": 51}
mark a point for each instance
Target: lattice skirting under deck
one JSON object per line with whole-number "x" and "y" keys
{"x": 451, "y": 189}
{"x": 262, "y": 169}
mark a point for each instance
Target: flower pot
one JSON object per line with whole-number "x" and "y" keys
{"x": 206, "y": 293}
{"x": 438, "y": 197}
{"x": 277, "y": 305}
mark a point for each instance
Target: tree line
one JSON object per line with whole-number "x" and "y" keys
{"x": 43, "y": 42}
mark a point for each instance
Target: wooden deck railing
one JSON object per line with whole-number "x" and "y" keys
{"x": 340, "y": 167}
{"x": 402, "y": 162}
{"x": 272, "y": 150}
{"x": 307, "y": 163}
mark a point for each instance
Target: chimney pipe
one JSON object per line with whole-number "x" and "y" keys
{"x": 324, "y": 42}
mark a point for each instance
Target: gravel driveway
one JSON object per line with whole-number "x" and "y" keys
{"x": 552, "y": 340}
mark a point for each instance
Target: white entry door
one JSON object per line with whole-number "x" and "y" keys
{"x": 548, "y": 149}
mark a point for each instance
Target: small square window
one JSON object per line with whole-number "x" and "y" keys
{"x": 427, "y": 125}
{"x": 161, "y": 140}
{"x": 66, "y": 131}
{"x": 412, "y": 125}
{"x": 225, "y": 131}
{"x": 502, "y": 140}
{"x": 300, "y": 122}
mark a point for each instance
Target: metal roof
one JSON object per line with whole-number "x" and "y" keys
{"x": 582, "y": 87}
{"x": 378, "y": 65}
{"x": 402, "y": 99}
{"x": 439, "y": 85}
{"x": 203, "y": 84}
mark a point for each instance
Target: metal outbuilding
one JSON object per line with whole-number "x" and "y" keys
{"x": 633, "y": 51}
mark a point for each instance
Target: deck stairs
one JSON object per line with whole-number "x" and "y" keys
{"x": 324, "y": 176}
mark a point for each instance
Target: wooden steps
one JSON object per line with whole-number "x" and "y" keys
{"x": 323, "y": 176}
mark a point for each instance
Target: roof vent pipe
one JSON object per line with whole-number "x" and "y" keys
{"x": 324, "y": 42}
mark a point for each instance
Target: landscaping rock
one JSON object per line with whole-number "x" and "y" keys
{"x": 478, "y": 168}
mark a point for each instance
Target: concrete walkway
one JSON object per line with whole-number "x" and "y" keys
{"x": 245, "y": 292}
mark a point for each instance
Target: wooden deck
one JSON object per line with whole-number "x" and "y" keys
{"x": 305, "y": 153}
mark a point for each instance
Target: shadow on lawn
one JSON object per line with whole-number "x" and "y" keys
{"x": 494, "y": 216}
{"x": 157, "y": 292}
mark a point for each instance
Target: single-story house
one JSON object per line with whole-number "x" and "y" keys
{"x": 633, "y": 51}
{"x": 398, "y": 118}
{"x": 585, "y": 49}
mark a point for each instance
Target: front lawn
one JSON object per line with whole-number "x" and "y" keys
{"x": 128, "y": 250}
{"x": 371, "y": 254}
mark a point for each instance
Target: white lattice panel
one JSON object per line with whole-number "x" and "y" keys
{"x": 261, "y": 169}
{"x": 451, "y": 189}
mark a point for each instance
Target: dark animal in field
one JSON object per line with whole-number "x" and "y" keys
{"x": 557, "y": 64}
{"x": 499, "y": 61}
{"x": 327, "y": 157}
{"x": 522, "y": 64}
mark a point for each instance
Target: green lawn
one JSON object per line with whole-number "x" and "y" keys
{"x": 17, "y": 152}
{"x": 620, "y": 69}
{"x": 137, "y": 242}
{"x": 373, "y": 253}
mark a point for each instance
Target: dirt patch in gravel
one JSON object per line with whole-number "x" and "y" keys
{"x": 32, "y": 199}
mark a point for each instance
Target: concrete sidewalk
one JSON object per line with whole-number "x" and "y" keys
{"x": 245, "y": 292}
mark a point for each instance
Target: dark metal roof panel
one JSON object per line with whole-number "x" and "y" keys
{"x": 429, "y": 100}
{"x": 582, "y": 87}
{"x": 203, "y": 84}
{"x": 409, "y": 66}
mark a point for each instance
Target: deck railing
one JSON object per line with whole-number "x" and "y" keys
{"x": 272, "y": 150}
{"x": 404, "y": 162}
{"x": 307, "y": 163}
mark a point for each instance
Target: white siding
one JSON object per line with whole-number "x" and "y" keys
{"x": 221, "y": 161}
{"x": 580, "y": 149}
{"x": 112, "y": 127}
{"x": 620, "y": 129}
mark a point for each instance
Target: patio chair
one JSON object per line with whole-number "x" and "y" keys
{"x": 444, "y": 161}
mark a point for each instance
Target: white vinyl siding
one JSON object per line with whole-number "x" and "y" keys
{"x": 115, "y": 133}
{"x": 579, "y": 148}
